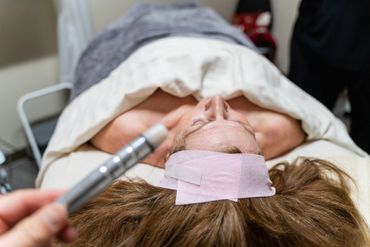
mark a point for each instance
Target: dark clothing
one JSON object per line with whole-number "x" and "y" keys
{"x": 330, "y": 51}
{"x": 326, "y": 82}
{"x": 143, "y": 24}
{"x": 336, "y": 31}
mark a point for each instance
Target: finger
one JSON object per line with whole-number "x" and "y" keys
{"x": 19, "y": 204}
{"x": 68, "y": 234}
{"x": 37, "y": 229}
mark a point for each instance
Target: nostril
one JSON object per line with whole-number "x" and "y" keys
{"x": 226, "y": 113}
{"x": 226, "y": 106}
{"x": 208, "y": 104}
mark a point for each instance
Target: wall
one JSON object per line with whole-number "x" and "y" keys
{"x": 28, "y": 61}
{"x": 27, "y": 30}
{"x": 284, "y": 13}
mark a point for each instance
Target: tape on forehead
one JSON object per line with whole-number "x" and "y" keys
{"x": 203, "y": 176}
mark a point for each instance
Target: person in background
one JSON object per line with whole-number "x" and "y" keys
{"x": 330, "y": 51}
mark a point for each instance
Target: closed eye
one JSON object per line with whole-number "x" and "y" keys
{"x": 198, "y": 121}
{"x": 196, "y": 125}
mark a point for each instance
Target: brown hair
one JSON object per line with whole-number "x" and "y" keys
{"x": 312, "y": 207}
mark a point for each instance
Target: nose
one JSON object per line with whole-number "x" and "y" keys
{"x": 218, "y": 107}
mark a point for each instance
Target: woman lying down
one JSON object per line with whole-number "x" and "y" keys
{"x": 217, "y": 191}
{"x": 232, "y": 118}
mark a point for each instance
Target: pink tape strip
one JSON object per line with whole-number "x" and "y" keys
{"x": 203, "y": 176}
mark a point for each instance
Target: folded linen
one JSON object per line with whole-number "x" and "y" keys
{"x": 177, "y": 66}
{"x": 145, "y": 23}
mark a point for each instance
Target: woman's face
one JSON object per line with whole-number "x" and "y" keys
{"x": 213, "y": 125}
{"x": 210, "y": 124}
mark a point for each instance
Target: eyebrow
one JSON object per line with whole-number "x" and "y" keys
{"x": 231, "y": 150}
{"x": 236, "y": 150}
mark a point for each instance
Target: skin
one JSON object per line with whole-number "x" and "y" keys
{"x": 274, "y": 133}
{"x": 29, "y": 218}
{"x": 214, "y": 126}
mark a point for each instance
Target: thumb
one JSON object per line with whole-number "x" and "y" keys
{"x": 37, "y": 229}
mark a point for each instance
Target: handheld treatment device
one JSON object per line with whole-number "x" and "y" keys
{"x": 103, "y": 176}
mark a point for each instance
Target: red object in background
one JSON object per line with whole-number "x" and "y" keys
{"x": 256, "y": 25}
{"x": 246, "y": 22}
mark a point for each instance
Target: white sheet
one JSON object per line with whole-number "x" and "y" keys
{"x": 184, "y": 66}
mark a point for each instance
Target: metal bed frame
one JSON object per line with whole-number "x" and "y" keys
{"x": 74, "y": 33}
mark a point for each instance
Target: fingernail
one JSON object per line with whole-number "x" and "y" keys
{"x": 71, "y": 234}
{"x": 53, "y": 217}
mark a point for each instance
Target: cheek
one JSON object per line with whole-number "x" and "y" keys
{"x": 158, "y": 157}
{"x": 249, "y": 142}
{"x": 261, "y": 141}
